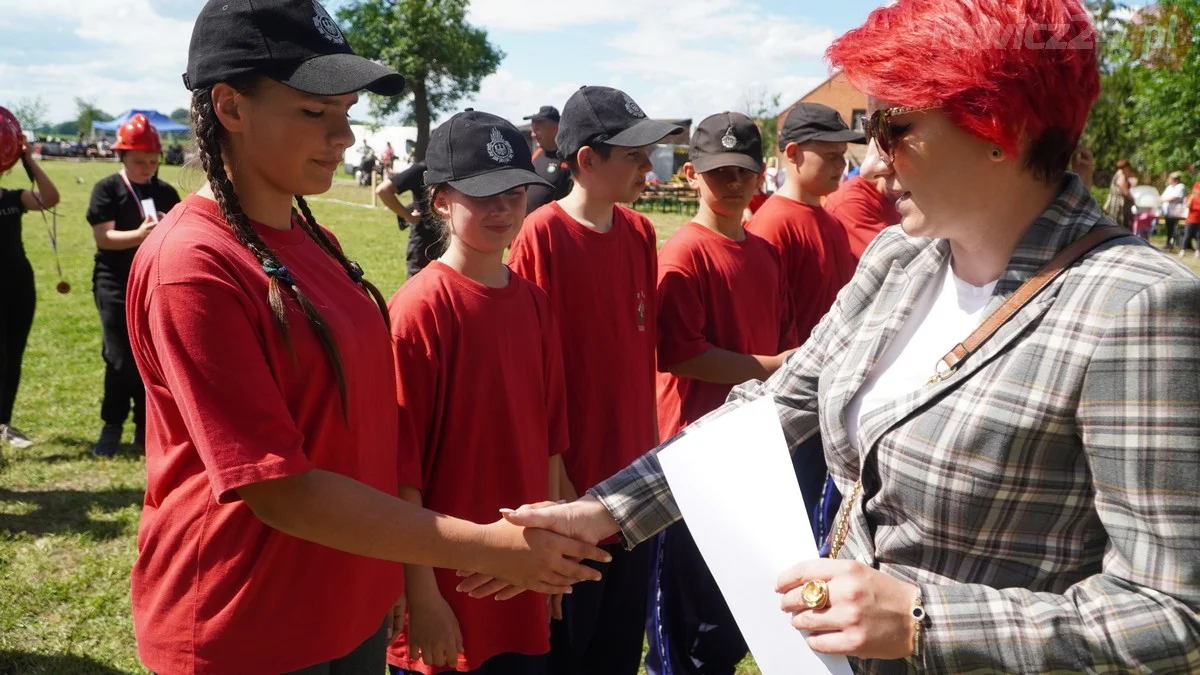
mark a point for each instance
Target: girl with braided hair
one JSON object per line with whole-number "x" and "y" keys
{"x": 272, "y": 533}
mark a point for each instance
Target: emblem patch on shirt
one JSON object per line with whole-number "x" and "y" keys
{"x": 499, "y": 149}
{"x": 729, "y": 141}
{"x": 326, "y": 25}
{"x": 641, "y": 311}
{"x": 550, "y": 168}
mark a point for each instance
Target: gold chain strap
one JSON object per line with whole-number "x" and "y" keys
{"x": 843, "y": 528}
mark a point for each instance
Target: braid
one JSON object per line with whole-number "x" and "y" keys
{"x": 208, "y": 141}
{"x": 314, "y": 230}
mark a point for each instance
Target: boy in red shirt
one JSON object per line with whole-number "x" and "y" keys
{"x": 482, "y": 403}
{"x": 812, "y": 243}
{"x": 864, "y": 208}
{"x": 598, "y": 263}
{"x": 724, "y": 318}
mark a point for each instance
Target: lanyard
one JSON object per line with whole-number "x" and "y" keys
{"x": 132, "y": 193}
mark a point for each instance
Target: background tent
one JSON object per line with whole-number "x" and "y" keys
{"x": 164, "y": 124}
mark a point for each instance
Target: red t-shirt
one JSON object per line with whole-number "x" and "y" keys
{"x": 215, "y": 590}
{"x": 1193, "y": 204}
{"x": 601, "y": 286}
{"x": 714, "y": 292}
{"x": 862, "y": 211}
{"x": 816, "y": 256}
{"x": 482, "y": 409}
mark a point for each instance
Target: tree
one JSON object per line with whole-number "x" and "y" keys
{"x": 88, "y": 113}
{"x": 763, "y": 108}
{"x": 31, "y": 113}
{"x": 180, "y": 115}
{"x": 442, "y": 57}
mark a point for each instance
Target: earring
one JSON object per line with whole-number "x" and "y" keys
{"x": 996, "y": 154}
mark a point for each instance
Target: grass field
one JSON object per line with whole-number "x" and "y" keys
{"x": 68, "y": 522}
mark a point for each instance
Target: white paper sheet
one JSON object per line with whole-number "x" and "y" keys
{"x": 734, "y": 483}
{"x": 149, "y": 209}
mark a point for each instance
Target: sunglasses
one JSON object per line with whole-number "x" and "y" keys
{"x": 880, "y": 129}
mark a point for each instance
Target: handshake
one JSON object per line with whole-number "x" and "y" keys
{"x": 541, "y": 548}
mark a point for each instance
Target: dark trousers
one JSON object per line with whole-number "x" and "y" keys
{"x": 500, "y": 664}
{"x": 1191, "y": 237}
{"x": 369, "y": 658}
{"x": 123, "y": 387}
{"x": 1170, "y": 224}
{"x": 689, "y": 628}
{"x": 425, "y": 244}
{"x": 604, "y": 621}
{"x": 18, "y": 298}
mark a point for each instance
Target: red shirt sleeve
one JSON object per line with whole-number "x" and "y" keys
{"x": 417, "y": 361}
{"x": 212, "y": 363}
{"x": 680, "y": 318}
{"x": 789, "y": 337}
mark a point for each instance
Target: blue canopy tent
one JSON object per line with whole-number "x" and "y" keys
{"x": 164, "y": 124}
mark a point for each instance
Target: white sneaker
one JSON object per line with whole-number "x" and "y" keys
{"x": 14, "y": 437}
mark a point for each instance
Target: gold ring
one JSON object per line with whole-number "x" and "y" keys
{"x": 815, "y": 594}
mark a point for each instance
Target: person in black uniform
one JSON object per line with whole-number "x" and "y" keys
{"x": 425, "y": 242}
{"x": 546, "y": 161}
{"x": 123, "y": 210}
{"x": 17, "y": 295}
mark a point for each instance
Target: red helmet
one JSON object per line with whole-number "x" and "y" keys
{"x": 138, "y": 134}
{"x": 12, "y": 141}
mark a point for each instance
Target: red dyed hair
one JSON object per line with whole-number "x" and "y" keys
{"x": 1001, "y": 70}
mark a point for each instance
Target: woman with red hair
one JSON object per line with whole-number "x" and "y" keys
{"x": 1026, "y": 500}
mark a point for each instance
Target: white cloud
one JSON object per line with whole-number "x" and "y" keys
{"x": 138, "y": 57}
{"x": 546, "y": 15}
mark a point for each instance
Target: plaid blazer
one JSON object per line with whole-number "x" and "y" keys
{"x": 1046, "y": 498}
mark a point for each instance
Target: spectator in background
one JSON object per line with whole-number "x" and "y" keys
{"x": 547, "y": 163}
{"x": 389, "y": 156}
{"x": 864, "y": 207}
{"x": 425, "y": 242}
{"x": 1191, "y": 235}
{"x": 1172, "y": 206}
{"x": 1120, "y": 200}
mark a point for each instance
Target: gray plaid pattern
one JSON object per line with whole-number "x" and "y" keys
{"x": 1046, "y": 498}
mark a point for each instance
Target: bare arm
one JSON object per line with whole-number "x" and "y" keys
{"x": 721, "y": 366}
{"x": 44, "y": 195}
{"x": 557, "y": 472}
{"x": 341, "y": 513}
{"x": 109, "y": 238}
{"x": 387, "y": 194}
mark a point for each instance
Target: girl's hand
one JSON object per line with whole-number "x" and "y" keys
{"x": 433, "y": 632}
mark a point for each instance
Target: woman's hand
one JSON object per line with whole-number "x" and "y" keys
{"x": 537, "y": 559}
{"x": 146, "y": 227}
{"x": 869, "y": 614}
{"x": 584, "y": 519}
{"x": 433, "y": 632}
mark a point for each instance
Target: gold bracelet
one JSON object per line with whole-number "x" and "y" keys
{"x": 918, "y": 616}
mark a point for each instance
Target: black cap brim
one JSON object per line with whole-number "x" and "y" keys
{"x": 723, "y": 159}
{"x": 495, "y": 182}
{"x": 844, "y": 136}
{"x": 540, "y": 118}
{"x": 337, "y": 74}
{"x": 643, "y": 133}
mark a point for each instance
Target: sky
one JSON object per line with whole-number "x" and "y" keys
{"x": 676, "y": 59}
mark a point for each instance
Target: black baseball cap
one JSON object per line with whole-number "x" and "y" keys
{"x": 294, "y": 42}
{"x": 546, "y": 113}
{"x": 609, "y": 116}
{"x": 816, "y": 122}
{"x": 726, "y": 139}
{"x": 480, "y": 155}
